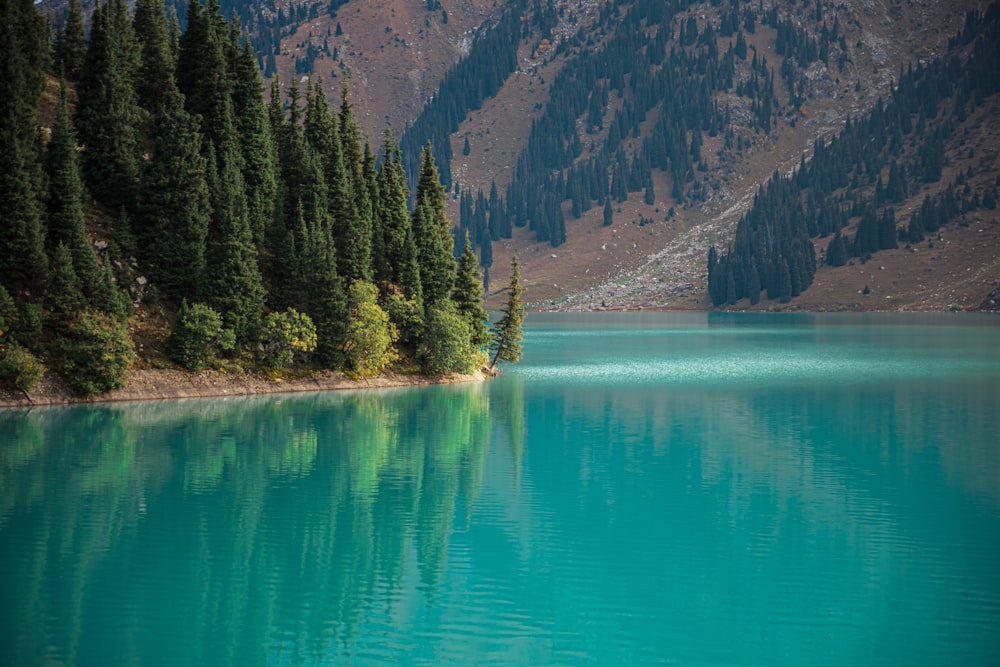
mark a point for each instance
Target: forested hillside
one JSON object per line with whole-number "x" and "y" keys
{"x": 611, "y": 143}
{"x": 262, "y": 233}
{"x": 859, "y": 177}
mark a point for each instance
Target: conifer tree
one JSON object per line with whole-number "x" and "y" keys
{"x": 64, "y": 297}
{"x": 173, "y": 216}
{"x": 156, "y": 71}
{"x": 73, "y": 45}
{"x": 23, "y": 59}
{"x": 432, "y": 234}
{"x": 109, "y": 297}
{"x": 506, "y": 333}
{"x": 302, "y": 207}
{"x": 202, "y": 68}
{"x": 468, "y": 296}
{"x": 232, "y": 277}
{"x": 353, "y": 224}
{"x": 393, "y": 214}
{"x": 260, "y": 169}
{"x": 108, "y": 114}
{"x": 325, "y": 298}
{"x": 66, "y": 196}
{"x": 353, "y": 245}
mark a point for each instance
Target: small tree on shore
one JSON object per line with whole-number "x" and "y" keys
{"x": 507, "y": 334}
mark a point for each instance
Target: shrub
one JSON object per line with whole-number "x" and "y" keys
{"x": 447, "y": 344}
{"x": 369, "y": 337}
{"x": 198, "y": 335}
{"x": 407, "y": 315}
{"x": 95, "y": 353}
{"x": 284, "y": 336}
{"x": 20, "y": 370}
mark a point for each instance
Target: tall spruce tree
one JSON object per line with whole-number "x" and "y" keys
{"x": 64, "y": 298}
{"x": 393, "y": 214}
{"x": 156, "y": 71}
{"x": 66, "y": 195}
{"x": 108, "y": 114}
{"x": 72, "y": 48}
{"x": 324, "y": 292}
{"x": 320, "y": 130}
{"x": 468, "y": 296}
{"x": 232, "y": 277}
{"x": 23, "y": 59}
{"x": 174, "y": 205}
{"x": 260, "y": 169}
{"x": 353, "y": 226}
{"x": 507, "y": 333}
{"x": 203, "y": 70}
{"x": 432, "y": 234}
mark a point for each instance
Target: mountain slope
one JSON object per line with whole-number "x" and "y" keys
{"x": 690, "y": 105}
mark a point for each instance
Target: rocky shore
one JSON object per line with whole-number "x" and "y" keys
{"x": 144, "y": 385}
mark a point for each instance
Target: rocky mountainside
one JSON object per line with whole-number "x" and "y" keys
{"x": 585, "y": 87}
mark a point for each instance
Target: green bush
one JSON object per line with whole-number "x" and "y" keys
{"x": 20, "y": 370}
{"x": 95, "y": 353}
{"x": 197, "y": 336}
{"x": 407, "y": 315}
{"x": 284, "y": 336}
{"x": 369, "y": 338}
{"x": 447, "y": 346}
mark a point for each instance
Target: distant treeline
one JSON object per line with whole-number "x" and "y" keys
{"x": 873, "y": 164}
{"x": 642, "y": 62}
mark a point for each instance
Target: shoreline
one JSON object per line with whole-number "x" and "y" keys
{"x": 167, "y": 384}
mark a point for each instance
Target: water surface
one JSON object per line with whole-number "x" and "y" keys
{"x": 641, "y": 489}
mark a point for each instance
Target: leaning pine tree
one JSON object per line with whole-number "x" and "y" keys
{"x": 507, "y": 334}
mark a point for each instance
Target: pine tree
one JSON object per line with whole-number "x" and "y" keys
{"x": 156, "y": 71}
{"x": 468, "y": 296}
{"x": 73, "y": 45}
{"x": 173, "y": 216}
{"x": 109, "y": 297}
{"x": 232, "y": 277}
{"x": 66, "y": 196}
{"x": 393, "y": 214}
{"x": 432, "y": 235}
{"x": 507, "y": 333}
{"x": 354, "y": 232}
{"x": 302, "y": 205}
{"x": 202, "y": 69}
{"x": 260, "y": 169}
{"x": 326, "y": 300}
{"x": 23, "y": 59}
{"x": 64, "y": 297}
{"x": 108, "y": 114}
{"x": 320, "y": 130}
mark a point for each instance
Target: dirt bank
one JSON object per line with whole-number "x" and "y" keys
{"x": 144, "y": 385}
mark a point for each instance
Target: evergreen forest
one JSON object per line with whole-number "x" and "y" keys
{"x": 146, "y": 175}
{"x": 848, "y": 191}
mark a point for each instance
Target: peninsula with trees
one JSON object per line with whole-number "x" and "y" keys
{"x": 157, "y": 206}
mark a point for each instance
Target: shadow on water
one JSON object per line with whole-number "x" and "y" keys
{"x": 257, "y": 527}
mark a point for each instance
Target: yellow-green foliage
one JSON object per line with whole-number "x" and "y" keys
{"x": 369, "y": 340}
{"x": 96, "y": 352}
{"x": 197, "y": 335}
{"x": 285, "y": 336}
{"x": 20, "y": 370}
{"x": 448, "y": 344}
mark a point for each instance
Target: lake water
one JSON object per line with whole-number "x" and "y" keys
{"x": 641, "y": 489}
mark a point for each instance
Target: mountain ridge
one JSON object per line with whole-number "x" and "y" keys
{"x": 398, "y": 53}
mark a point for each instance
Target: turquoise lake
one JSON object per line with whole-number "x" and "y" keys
{"x": 642, "y": 489}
